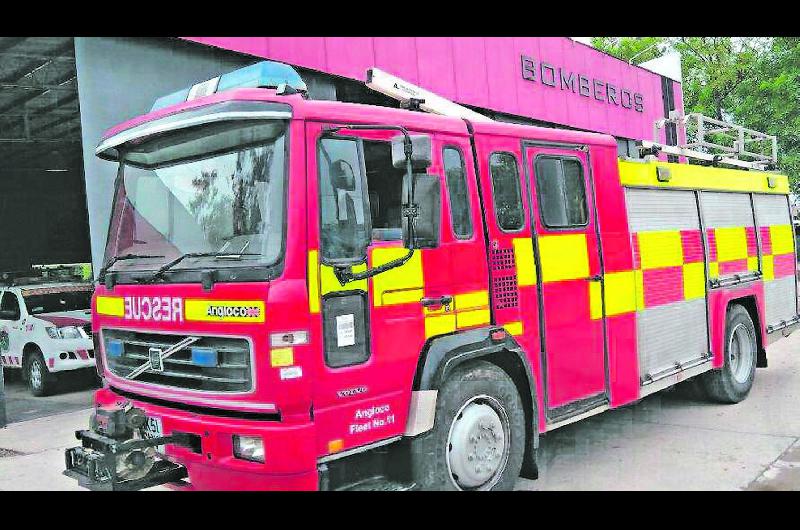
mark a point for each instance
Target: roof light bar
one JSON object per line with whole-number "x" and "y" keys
{"x": 264, "y": 74}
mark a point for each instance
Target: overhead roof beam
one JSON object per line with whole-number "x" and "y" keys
{"x": 38, "y": 56}
{"x": 33, "y": 66}
{"x": 39, "y": 92}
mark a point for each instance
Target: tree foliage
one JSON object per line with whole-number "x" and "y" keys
{"x": 754, "y": 82}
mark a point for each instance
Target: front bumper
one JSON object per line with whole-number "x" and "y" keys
{"x": 290, "y": 456}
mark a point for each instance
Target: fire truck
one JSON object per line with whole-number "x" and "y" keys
{"x": 303, "y": 294}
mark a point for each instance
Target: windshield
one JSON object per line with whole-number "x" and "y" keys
{"x": 212, "y": 189}
{"x": 57, "y": 302}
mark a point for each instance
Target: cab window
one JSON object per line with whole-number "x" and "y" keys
{"x": 505, "y": 188}
{"x": 456, "y": 175}
{"x": 562, "y": 196}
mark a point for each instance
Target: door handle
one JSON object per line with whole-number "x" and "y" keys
{"x": 595, "y": 278}
{"x": 445, "y": 300}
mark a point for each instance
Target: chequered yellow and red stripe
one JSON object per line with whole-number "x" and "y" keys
{"x": 731, "y": 250}
{"x": 777, "y": 251}
{"x": 668, "y": 267}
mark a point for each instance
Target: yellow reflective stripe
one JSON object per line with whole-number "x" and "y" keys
{"x": 782, "y": 239}
{"x": 638, "y": 279}
{"x": 595, "y": 301}
{"x": 214, "y": 310}
{"x": 514, "y": 328}
{"x": 694, "y": 280}
{"x": 440, "y": 324}
{"x": 660, "y": 248}
{"x": 523, "y": 259}
{"x": 472, "y": 300}
{"x": 563, "y": 257}
{"x": 472, "y": 318}
{"x": 752, "y": 264}
{"x": 110, "y": 305}
{"x": 701, "y": 177}
{"x": 408, "y": 276}
{"x": 405, "y": 296}
{"x": 620, "y": 292}
{"x": 313, "y": 281}
{"x": 329, "y": 283}
{"x": 768, "y": 267}
{"x": 731, "y": 243}
{"x": 281, "y": 357}
{"x": 713, "y": 269}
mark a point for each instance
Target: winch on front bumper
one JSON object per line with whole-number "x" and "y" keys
{"x": 116, "y": 456}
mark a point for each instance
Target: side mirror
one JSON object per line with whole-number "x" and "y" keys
{"x": 420, "y": 152}
{"x": 427, "y": 197}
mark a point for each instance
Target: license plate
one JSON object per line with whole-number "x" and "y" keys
{"x": 154, "y": 429}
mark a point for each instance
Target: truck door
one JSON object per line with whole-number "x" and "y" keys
{"x": 372, "y": 331}
{"x": 568, "y": 251}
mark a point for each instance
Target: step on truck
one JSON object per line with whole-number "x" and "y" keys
{"x": 302, "y": 294}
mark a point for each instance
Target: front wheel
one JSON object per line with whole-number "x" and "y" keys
{"x": 478, "y": 438}
{"x": 40, "y": 380}
{"x": 732, "y": 382}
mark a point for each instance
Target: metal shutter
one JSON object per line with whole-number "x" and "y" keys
{"x": 780, "y": 287}
{"x": 671, "y": 328}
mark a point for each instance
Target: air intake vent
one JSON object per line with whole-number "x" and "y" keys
{"x": 505, "y": 291}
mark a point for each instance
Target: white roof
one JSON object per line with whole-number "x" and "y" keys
{"x": 50, "y": 286}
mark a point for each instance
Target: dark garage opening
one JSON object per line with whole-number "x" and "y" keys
{"x": 43, "y": 216}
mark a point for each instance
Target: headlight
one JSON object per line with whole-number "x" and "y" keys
{"x": 67, "y": 332}
{"x": 248, "y": 448}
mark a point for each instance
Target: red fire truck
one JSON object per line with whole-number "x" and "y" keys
{"x": 306, "y": 294}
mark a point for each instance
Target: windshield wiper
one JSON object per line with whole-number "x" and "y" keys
{"x": 101, "y": 274}
{"x": 225, "y": 255}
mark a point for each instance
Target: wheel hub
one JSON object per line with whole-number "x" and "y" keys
{"x": 36, "y": 374}
{"x": 741, "y": 353}
{"x": 478, "y": 445}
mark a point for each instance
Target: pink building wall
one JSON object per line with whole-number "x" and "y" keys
{"x": 487, "y": 72}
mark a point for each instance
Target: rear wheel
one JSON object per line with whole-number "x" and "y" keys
{"x": 40, "y": 380}
{"x": 478, "y": 438}
{"x": 732, "y": 382}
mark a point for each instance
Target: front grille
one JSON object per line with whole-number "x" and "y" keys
{"x": 232, "y": 372}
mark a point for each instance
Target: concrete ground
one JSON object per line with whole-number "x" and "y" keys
{"x": 74, "y": 391}
{"x": 670, "y": 441}
{"x": 666, "y": 441}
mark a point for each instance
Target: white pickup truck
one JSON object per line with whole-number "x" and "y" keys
{"x": 45, "y": 329}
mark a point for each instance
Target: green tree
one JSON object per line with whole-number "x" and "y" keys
{"x": 753, "y": 81}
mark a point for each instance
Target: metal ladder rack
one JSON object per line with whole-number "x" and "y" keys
{"x": 717, "y": 141}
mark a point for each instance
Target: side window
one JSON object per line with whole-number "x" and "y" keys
{"x": 456, "y": 175}
{"x": 344, "y": 230}
{"x": 505, "y": 188}
{"x": 385, "y": 185}
{"x": 561, "y": 192}
{"x": 9, "y": 307}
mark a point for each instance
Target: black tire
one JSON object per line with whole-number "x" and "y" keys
{"x": 43, "y": 384}
{"x": 722, "y": 385}
{"x": 474, "y": 383}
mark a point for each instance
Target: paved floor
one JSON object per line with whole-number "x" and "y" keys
{"x": 666, "y": 441}
{"x": 671, "y": 441}
{"x": 74, "y": 392}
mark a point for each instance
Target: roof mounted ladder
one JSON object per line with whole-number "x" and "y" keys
{"x": 412, "y": 96}
{"x": 717, "y": 141}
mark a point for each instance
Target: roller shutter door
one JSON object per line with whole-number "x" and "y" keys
{"x": 670, "y": 279}
{"x": 776, "y": 238}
